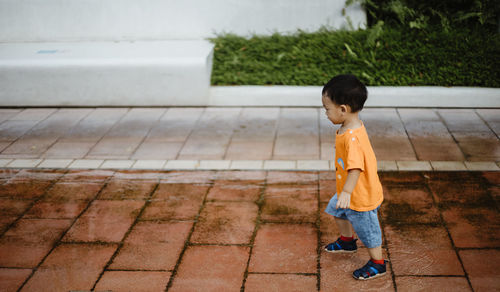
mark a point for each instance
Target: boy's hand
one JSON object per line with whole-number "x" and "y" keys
{"x": 344, "y": 200}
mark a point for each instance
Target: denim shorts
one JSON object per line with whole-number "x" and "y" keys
{"x": 365, "y": 224}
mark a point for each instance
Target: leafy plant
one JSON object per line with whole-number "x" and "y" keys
{"x": 421, "y": 14}
{"x": 380, "y": 55}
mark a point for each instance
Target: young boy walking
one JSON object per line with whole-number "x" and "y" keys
{"x": 359, "y": 192}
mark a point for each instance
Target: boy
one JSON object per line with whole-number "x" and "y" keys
{"x": 359, "y": 192}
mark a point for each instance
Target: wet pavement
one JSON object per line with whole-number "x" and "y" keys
{"x": 105, "y": 230}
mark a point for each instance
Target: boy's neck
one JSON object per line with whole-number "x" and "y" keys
{"x": 351, "y": 121}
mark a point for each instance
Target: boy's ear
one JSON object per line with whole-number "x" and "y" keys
{"x": 343, "y": 108}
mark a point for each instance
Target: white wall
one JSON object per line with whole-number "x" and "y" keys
{"x": 83, "y": 20}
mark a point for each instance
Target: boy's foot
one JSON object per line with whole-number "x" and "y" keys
{"x": 341, "y": 246}
{"x": 370, "y": 271}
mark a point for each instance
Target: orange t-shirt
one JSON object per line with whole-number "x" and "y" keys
{"x": 354, "y": 151}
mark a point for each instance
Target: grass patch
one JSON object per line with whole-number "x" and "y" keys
{"x": 394, "y": 56}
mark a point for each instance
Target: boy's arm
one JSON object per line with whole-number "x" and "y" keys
{"x": 344, "y": 199}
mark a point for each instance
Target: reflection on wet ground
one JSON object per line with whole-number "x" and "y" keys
{"x": 232, "y": 230}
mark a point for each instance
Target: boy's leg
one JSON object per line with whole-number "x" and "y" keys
{"x": 376, "y": 253}
{"x": 346, "y": 242}
{"x": 367, "y": 228}
{"x": 344, "y": 227}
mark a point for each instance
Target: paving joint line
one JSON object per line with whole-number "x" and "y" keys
{"x": 30, "y": 130}
{"x": 106, "y": 133}
{"x": 42, "y": 155}
{"x": 408, "y": 135}
{"x": 154, "y": 124}
{"x": 451, "y": 134}
{"x": 232, "y": 134}
{"x": 260, "y": 203}
{"x": 188, "y": 239}
{"x": 486, "y": 123}
{"x": 276, "y": 129}
{"x": 443, "y": 223}
{"x": 191, "y": 130}
{"x": 318, "y": 232}
{"x": 125, "y": 236}
{"x": 30, "y": 205}
{"x": 59, "y": 241}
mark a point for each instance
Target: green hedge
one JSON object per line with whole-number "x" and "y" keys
{"x": 379, "y": 56}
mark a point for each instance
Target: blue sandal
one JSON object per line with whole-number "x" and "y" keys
{"x": 370, "y": 271}
{"x": 341, "y": 246}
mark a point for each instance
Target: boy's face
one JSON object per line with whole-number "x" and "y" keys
{"x": 334, "y": 112}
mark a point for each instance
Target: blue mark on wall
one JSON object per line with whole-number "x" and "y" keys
{"x": 47, "y": 52}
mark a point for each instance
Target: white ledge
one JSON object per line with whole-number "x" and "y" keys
{"x": 378, "y": 96}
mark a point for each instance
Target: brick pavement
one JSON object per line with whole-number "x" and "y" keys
{"x": 122, "y": 230}
{"x": 237, "y": 133}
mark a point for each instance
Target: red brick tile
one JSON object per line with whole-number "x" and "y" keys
{"x": 495, "y": 194}
{"x": 72, "y": 191}
{"x": 482, "y": 267}
{"x": 280, "y": 282}
{"x": 426, "y": 149}
{"x": 118, "y": 189}
{"x": 328, "y": 227}
{"x": 49, "y": 175}
{"x": 386, "y": 148}
{"x": 336, "y": 273}
{"x": 27, "y": 243}
{"x": 5, "y": 222}
{"x": 68, "y": 150}
{"x": 423, "y": 284}
{"x": 297, "y": 203}
{"x": 13, "y": 208}
{"x": 473, "y": 227}
{"x": 249, "y": 150}
{"x": 427, "y": 248}
{"x": 401, "y": 177}
{"x": 236, "y": 175}
{"x": 211, "y": 268}
{"x": 480, "y": 146}
{"x": 133, "y": 281}
{"x": 152, "y": 246}
{"x": 327, "y": 189}
{"x": 449, "y": 193}
{"x": 327, "y": 175}
{"x": 8, "y": 173}
{"x": 234, "y": 191}
{"x": 180, "y": 191}
{"x": 24, "y": 189}
{"x": 451, "y": 177}
{"x": 137, "y": 174}
{"x": 157, "y": 150}
{"x": 408, "y": 205}
{"x": 71, "y": 267}
{"x": 175, "y": 201}
{"x": 226, "y": 222}
{"x": 493, "y": 177}
{"x": 284, "y": 248}
{"x": 189, "y": 177}
{"x": 106, "y": 221}
{"x": 291, "y": 177}
{"x": 84, "y": 175}
{"x": 56, "y": 210}
{"x": 12, "y": 279}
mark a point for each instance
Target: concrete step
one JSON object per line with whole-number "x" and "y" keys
{"x": 145, "y": 73}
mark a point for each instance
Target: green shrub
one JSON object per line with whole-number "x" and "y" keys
{"x": 379, "y": 56}
{"x": 420, "y": 14}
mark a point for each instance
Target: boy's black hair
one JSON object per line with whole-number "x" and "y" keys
{"x": 346, "y": 89}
